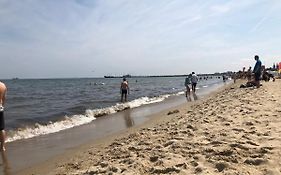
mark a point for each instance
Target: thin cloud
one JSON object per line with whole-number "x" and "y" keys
{"x": 262, "y": 20}
{"x": 147, "y": 37}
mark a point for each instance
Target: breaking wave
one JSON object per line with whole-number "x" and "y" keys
{"x": 77, "y": 120}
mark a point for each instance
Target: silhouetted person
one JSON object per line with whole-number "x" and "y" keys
{"x": 224, "y": 78}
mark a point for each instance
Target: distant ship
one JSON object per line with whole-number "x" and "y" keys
{"x": 127, "y": 76}
{"x": 124, "y": 76}
{"x": 109, "y": 76}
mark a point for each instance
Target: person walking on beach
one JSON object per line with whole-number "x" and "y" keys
{"x": 3, "y": 91}
{"x": 257, "y": 71}
{"x": 194, "y": 80}
{"x": 124, "y": 89}
{"x": 187, "y": 84}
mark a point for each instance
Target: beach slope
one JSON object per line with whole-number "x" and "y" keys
{"x": 235, "y": 131}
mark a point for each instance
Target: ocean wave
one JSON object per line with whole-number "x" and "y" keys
{"x": 77, "y": 120}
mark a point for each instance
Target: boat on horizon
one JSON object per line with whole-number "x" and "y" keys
{"x": 124, "y": 76}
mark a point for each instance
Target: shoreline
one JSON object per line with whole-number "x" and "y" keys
{"x": 214, "y": 75}
{"x": 44, "y": 168}
{"x": 48, "y": 146}
{"x": 63, "y": 119}
{"x": 233, "y": 131}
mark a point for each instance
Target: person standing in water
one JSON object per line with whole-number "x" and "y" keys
{"x": 3, "y": 91}
{"x": 124, "y": 89}
{"x": 194, "y": 80}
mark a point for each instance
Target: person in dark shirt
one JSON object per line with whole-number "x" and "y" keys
{"x": 257, "y": 71}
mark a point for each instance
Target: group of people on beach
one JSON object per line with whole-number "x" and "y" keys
{"x": 190, "y": 84}
{"x": 254, "y": 76}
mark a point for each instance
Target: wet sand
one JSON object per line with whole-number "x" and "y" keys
{"x": 35, "y": 152}
{"x": 236, "y": 131}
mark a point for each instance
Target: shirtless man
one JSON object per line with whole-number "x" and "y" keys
{"x": 3, "y": 91}
{"x": 124, "y": 89}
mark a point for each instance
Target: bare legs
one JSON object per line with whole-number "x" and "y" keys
{"x": 258, "y": 84}
{"x": 122, "y": 97}
{"x": 187, "y": 93}
{"x": 2, "y": 140}
{"x": 193, "y": 87}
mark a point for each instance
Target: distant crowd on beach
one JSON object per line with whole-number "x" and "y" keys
{"x": 254, "y": 76}
{"x": 190, "y": 84}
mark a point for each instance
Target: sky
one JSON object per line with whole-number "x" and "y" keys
{"x": 93, "y": 38}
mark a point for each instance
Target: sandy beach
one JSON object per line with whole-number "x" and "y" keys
{"x": 233, "y": 131}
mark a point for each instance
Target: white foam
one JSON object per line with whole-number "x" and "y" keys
{"x": 77, "y": 120}
{"x": 180, "y": 93}
{"x": 39, "y": 129}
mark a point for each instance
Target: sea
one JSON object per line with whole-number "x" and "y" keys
{"x": 37, "y": 107}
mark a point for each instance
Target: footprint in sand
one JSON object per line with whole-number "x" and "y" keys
{"x": 220, "y": 166}
{"x": 257, "y": 161}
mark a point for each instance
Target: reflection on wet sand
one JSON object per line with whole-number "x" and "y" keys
{"x": 5, "y": 164}
{"x": 188, "y": 98}
{"x": 128, "y": 119}
{"x": 193, "y": 95}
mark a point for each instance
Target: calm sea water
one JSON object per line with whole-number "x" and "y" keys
{"x": 42, "y": 106}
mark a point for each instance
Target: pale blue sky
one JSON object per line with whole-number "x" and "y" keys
{"x": 92, "y": 38}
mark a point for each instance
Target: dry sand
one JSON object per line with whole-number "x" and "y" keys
{"x": 235, "y": 131}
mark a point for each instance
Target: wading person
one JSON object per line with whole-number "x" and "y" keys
{"x": 124, "y": 90}
{"x": 194, "y": 80}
